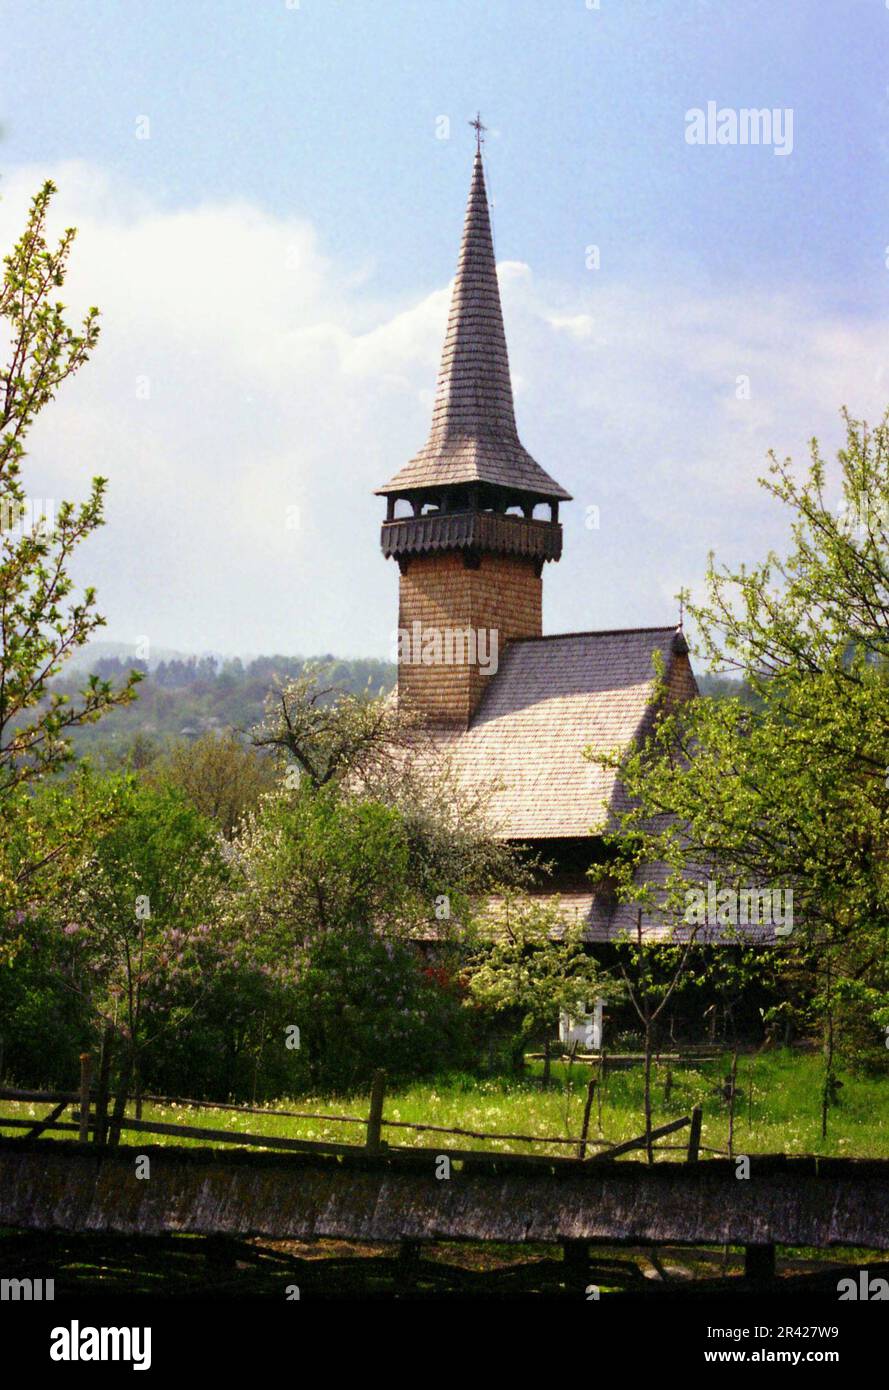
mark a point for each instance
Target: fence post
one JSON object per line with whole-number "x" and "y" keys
{"x": 590, "y": 1092}
{"x": 119, "y": 1110}
{"x": 407, "y": 1266}
{"x": 101, "y": 1130}
{"x": 576, "y": 1260}
{"x": 759, "y": 1262}
{"x": 86, "y": 1066}
{"x": 694, "y": 1136}
{"x": 375, "y": 1119}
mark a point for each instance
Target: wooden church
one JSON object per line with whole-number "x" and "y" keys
{"x": 472, "y": 521}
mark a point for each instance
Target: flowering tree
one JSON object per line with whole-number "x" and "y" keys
{"x": 364, "y": 747}
{"x": 140, "y": 915}
{"x": 534, "y": 966}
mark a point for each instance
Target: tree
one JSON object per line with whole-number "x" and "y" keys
{"x": 41, "y": 621}
{"x": 788, "y": 795}
{"x": 327, "y": 734}
{"x": 329, "y": 907}
{"x": 534, "y": 966}
{"x": 313, "y": 862}
{"x": 653, "y": 973}
{"x": 367, "y": 845}
{"x": 221, "y": 777}
{"x": 362, "y": 1001}
{"x": 44, "y": 829}
{"x": 364, "y": 746}
{"x": 140, "y": 912}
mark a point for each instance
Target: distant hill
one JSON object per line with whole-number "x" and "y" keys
{"x": 726, "y": 687}
{"x": 186, "y": 696}
{"x": 86, "y": 658}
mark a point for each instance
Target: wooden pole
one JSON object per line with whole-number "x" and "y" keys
{"x": 585, "y": 1128}
{"x": 733, "y": 1087}
{"x": 694, "y": 1138}
{"x": 603, "y": 1059}
{"x": 643, "y": 1141}
{"x": 101, "y": 1129}
{"x": 47, "y": 1121}
{"x": 375, "y": 1119}
{"x": 86, "y": 1066}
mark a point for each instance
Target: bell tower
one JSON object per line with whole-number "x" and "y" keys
{"x": 469, "y": 546}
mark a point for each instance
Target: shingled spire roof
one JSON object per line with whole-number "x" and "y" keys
{"x": 474, "y": 436}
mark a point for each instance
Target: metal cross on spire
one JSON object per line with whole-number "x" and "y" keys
{"x": 479, "y": 129}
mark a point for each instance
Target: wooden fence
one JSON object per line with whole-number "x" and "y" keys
{"x": 104, "y": 1118}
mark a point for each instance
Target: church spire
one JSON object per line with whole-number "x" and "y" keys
{"x": 474, "y": 397}
{"x": 473, "y": 438}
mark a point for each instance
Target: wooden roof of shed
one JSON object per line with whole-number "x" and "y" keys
{"x": 54, "y": 1186}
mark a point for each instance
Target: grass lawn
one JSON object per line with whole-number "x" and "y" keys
{"x": 778, "y": 1110}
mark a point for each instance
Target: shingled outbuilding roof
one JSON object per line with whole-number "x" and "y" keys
{"x": 551, "y": 698}
{"x": 474, "y": 437}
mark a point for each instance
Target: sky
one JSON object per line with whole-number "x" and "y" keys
{"x": 269, "y": 197}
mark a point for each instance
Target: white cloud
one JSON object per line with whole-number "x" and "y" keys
{"x": 278, "y": 382}
{"x": 578, "y": 325}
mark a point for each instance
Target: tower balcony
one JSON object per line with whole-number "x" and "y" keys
{"x": 475, "y": 532}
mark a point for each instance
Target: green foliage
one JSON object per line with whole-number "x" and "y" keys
{"x": 220, "y": 776}
{"x": 362, "y": 748}
{"x": 225, "y": 1041}
{"x": 362, "y": 1002}
{"x": 534, "y": 967}
{"x": 200, "y": 952}
{"x": 137, "y": 912}
{"x": 790, "y": 794}
{"x": 42, "y": 621}
{"x": 314, "y": 862}
{"x": 44, "y": 1023}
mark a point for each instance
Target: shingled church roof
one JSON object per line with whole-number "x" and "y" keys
{"x": 474, "y": 436}
{"x": 551, "y": 698}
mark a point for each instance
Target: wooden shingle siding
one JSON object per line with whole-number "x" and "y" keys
{"x": 503, "y": 594}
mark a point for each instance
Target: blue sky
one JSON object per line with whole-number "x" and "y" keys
{"x": 309, "y": 134}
